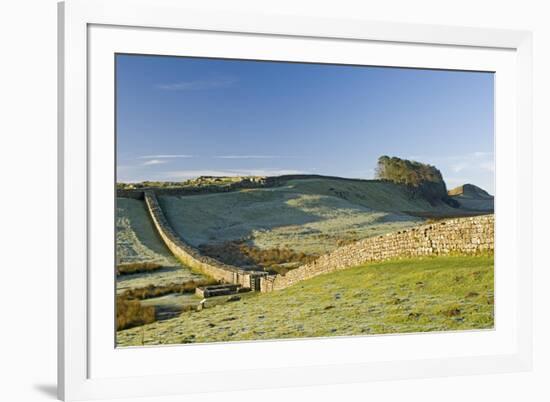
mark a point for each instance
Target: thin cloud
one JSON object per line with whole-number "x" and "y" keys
{"x": 476, "y": 167}
{"x": 478, "y": 155}
{"x": 154, "y": 162}
{"x": 198, "y": 85}
{"x": 482, "y": 154}
{"x": 164, "y": 156}
{"x": 459, "y": 167}
{"x": 490, "y": 166}
{"x": 471, "y": 161}
{"x": 189, "y": 174}
{"x": 249, "y": 157}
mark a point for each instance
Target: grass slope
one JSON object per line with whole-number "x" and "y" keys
{"x": 417, "y": 295}
{"x": 137, "y": 240}
{"x": 307, "y": 215}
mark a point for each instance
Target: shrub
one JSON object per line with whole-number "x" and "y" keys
{"x": 240, "y": 253}
{"x": 136, "y": 267}
{"x": 130, "y": 313}
{"x": 157, "y": 291}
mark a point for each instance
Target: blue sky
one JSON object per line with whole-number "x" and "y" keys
{"x": 179, "y": 118}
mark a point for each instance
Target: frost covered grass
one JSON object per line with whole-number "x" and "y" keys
{"x": 137, "y": 238}
{"x": 312, "y": 216}
{"x": 413, "y": 295}
{"x": 138, "y": 245}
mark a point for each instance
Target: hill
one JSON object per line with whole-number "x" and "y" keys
{"x": 472, "y": 197}
{"x": 311, "y": 215}
{"x": 279, "y": 223}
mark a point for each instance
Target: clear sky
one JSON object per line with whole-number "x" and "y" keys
{"x": 179, "y": 118}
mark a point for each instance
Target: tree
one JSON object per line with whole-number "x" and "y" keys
{"x": 422, "y": 179}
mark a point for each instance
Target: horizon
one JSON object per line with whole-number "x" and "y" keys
{"x": 180, "y": 118}
{"x": 295, "y": 174}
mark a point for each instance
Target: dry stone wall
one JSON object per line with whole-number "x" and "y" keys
{"x": 189, "y": 255}
{"x": 471, "y": 235}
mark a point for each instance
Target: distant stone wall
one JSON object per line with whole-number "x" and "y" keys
{"x": 189, "y": 255}
{"x": 471, "y": 235}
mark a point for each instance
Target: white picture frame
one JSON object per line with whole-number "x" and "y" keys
{"x": 90, "y": 367}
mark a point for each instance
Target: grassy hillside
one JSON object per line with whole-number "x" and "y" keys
{"x": 137, "y": 240}
{"x": 432, "y": 294}
{"x": 308, "y": 215}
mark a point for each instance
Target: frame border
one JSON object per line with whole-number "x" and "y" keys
{"x": 74, "y": 16}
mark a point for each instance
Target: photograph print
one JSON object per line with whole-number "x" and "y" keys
{"x": 267, "y": 200}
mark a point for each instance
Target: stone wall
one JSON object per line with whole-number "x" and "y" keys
{"x": 189, "y": 255}
{"x": 471, "y": 235}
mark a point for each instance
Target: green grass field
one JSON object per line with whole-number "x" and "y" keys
{"x": 415, "y": 295}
